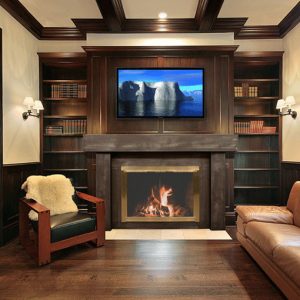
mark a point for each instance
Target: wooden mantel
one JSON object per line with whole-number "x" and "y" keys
{"x": 108, "y": 143}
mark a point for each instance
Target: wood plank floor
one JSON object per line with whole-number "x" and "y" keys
{"x": 137, "y": 270}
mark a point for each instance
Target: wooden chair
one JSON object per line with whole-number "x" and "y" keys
{"x": 53, "y": 233}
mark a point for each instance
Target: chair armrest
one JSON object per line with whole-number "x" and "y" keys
{"x": 32, "y": 204}
{"x": 268, "y": 214}
{"x": 89, "y": 198}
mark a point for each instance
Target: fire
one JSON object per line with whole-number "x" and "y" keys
{"x": 159, "y": 204}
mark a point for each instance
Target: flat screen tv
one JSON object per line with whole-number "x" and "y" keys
{"x": 160, "y": 93}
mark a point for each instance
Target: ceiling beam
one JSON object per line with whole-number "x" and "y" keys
{"x": 290, "y": 21}
{"x": 259, "y": 32}
{"x": 207, "y": 13}
{"x": 16, "y": 9}
{"x": 113, "y": 14}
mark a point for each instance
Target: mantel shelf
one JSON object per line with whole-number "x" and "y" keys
{"x": 160, "y": 143}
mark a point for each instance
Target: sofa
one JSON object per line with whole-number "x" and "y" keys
{"x": 271, "y": 235}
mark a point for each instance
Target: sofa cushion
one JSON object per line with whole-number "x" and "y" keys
{"x": 288, "y": 259}
{"x": 270, "y": 214}
{"x": 68, "y": 225}
{"x": 268, "y": 236}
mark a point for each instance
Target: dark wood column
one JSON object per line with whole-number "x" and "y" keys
{"x": 217, "y": 191}
{"x": 103, "y": 183}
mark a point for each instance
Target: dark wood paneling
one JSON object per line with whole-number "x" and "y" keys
{"x": 103, "y": 183}
{"x": 161, "y": 159}
{"x": 218, "y": 192}
{"x": 218, "y": 74}
{"x": 290, "y": 21}
{"x": 1, "y": 144}
{"x": 13, "y": 177}
{"x": 290, "y": 172}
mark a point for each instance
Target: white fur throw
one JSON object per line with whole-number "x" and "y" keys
{"x": 54, "y": 192}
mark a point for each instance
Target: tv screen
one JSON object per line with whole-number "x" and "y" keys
{"x": 160, "y": 93}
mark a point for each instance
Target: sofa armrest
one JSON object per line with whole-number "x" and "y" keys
{"x": 268, "y": 214}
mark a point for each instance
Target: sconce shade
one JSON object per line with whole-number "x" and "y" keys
{"x": 38, "y": 105}
{"x": 28, "y": 101}
{"x": 290, "y": 101}
{"x": 280, "y": 104}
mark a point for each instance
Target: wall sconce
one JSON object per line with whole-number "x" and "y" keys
{"x": 287, "y": 103}
{"x": 32, "y": 105}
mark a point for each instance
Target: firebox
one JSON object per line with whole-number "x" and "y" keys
{"x": 160, "y": 193}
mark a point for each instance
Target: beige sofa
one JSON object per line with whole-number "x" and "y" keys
{"x": 271, "y": 235}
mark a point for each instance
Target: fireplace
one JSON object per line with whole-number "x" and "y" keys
{"x": 160, "y": 193}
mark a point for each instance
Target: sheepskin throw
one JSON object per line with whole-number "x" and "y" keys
{"x": 54, "y": 192}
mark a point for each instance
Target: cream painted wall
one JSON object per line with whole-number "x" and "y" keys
{"x": 20, "y": 79}
{"x": 291, "y": 87}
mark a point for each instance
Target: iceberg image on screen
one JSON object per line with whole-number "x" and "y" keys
{"x": 160, "y": 93}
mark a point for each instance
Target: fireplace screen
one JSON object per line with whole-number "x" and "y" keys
{"x": 160, "y": 193}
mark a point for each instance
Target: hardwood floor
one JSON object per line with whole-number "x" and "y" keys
{"x": 137, "y": 270}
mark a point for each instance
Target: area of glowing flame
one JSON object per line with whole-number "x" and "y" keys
{"x": 159, "y": 204}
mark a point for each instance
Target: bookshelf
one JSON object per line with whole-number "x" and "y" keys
{"x": 63, "y": 90}
{"x": 257, "y": 87}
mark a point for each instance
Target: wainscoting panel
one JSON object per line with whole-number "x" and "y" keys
{"x": 290, "y": 174}
{"x": 13, "y": 177}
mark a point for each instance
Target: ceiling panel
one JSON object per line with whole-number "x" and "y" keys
{"x": 58, "y": 13}
{"x": 149, "y": 9}
{"x": 259, "y": 12}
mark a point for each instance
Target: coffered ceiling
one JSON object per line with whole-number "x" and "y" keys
{"x": 73, "y": 19}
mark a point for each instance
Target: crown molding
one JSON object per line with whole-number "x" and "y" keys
{"x": 290, "y": 21}
{"x": 258, "y": 32}
{"x": 17, "y": 10}
{"x": 114, "y": 21}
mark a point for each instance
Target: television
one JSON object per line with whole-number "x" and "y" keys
{"x": 160, "y": 93}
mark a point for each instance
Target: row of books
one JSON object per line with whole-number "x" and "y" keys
{"x": 245, "y": 91}
{"x": 253, "y": 127}
{"x": 68, "y": 127}
{"x": 68, "y": 90}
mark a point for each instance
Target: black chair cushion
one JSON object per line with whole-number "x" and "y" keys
{"x": 68, "y": 225}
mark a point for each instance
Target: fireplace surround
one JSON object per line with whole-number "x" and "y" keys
{"x": 208, "y": 151}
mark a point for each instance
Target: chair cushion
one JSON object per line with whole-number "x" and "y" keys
{"x": 268, "y": 236}
{"x": 68, "y": 225}
{"x": 288, "y": 259}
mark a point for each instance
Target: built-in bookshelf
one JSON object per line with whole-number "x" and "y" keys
{"x": 64, "y": 95}
{"x": 257, "y": 87}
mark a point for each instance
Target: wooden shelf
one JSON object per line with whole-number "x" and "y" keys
{"x": 257, "y": 116}
{"x": 65, "y": 81}
{"x": 256, "y": 79}
{"x": 58, "y": 100}
{"x": 255, "y": 99}
{"x": 64, "y": 135}
{"x": 256, "y": 187}
{"x": 254, "y": 134}
{"x": 256, "y": 169}
{"x": 65, "y": 170}
{"x": 64, "y": 117}
{"x": 257, "y": 151}
{"x": 64, "y": 152}
{"x": 80, "y": 187}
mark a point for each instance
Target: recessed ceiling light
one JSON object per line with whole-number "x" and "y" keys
{"x": 162, "y": 15}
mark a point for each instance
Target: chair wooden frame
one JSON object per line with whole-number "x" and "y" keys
{"x": 41, "y": 248}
